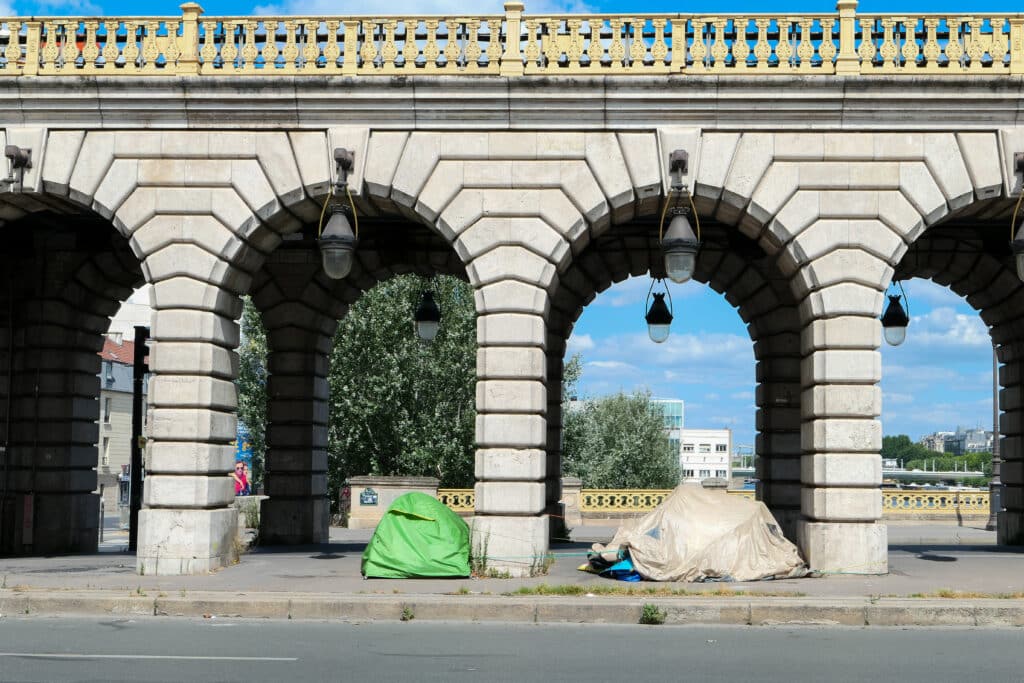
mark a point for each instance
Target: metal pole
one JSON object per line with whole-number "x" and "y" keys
{"x": 995, "y": 486}
{"x": 135, "y": 491}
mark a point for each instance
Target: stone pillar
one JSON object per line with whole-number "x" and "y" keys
{"x": 187, "y": 524}
{"x": 510, "y": 528}
{"x": 841, "y": 435}
{"x": 1011, "y": 427}
{"x": 553, "y": 480}
{"x": 777, "y": 464}
{"x": 52, "y": 458}
{"x": 298, "y": 509}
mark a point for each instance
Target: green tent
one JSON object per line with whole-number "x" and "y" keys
{"x": 418, "y": 537}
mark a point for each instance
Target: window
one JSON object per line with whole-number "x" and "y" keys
{"x": 720, "y": 473}
{"x": 674, "y": 445}
{"x": 688, "y": 473}
{"x": 705, "y": 473}
{"x": 687, "y": 448}
{"x": 107, "y": 406}
{"x": 705, "y": 448}
{"x": 720, "y": 447}
{"x": 106, "y": 452}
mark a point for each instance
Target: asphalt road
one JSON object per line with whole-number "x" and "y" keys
{"x": 208, "y": 650}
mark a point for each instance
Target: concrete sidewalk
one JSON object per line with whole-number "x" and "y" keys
{"x": 324, "y": 582}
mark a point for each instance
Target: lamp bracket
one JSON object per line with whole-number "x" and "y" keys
{"x": 343, "y": 160}
{"x": 1018, "y": 162}
{"x": 679, "y": 162}
{"x": 18, "y": 159}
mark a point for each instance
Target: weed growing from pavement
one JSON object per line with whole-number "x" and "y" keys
{"x": 950, "y": 594}
{"x": 652, "y": 615}
{"x": 407, "y": 614}
{"x": 638, "y": 591}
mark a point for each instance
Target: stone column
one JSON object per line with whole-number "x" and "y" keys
{"x": 510, "y": 527}
{"x": 553, "y": 480}
{"x": 778, "y": 449}
{"x": 52, "y": 458}
{"x": 841, "y": 435}
{"x": 1011, "y": 428}
{"x": 298, "y": 509}
{"x": 187, "y": 524}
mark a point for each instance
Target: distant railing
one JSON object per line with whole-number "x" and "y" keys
{"x": 514, "y": 44}
{"x": 895, "y": 504}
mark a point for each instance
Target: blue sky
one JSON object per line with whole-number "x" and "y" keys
{"x": 939, "y": 378}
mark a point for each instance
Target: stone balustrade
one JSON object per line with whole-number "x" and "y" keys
{"x": 516, "y": 44}
{"x": 601, "y": 505}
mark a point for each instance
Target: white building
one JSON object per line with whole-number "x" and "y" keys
{"x": 705, "y": 453}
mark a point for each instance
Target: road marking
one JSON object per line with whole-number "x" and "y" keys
{"x": 66, "y": 655}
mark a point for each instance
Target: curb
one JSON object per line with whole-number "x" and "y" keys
{"x": 747, "y": 611}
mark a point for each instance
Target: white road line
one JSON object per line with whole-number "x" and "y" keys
{"x": 66, "y": 655}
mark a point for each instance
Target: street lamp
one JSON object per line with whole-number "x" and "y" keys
{"x": 337, "y": 241}
{"x": 427, "y": 318}
{"x": 896, "y": 318}
{"x": 1017, "y": 236}
{"x": 679, "y": 244}
{"x": 659, "y": 315}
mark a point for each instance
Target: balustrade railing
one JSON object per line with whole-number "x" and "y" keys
{"x": 514, "y": 44}
{"x": 895, "y": 503}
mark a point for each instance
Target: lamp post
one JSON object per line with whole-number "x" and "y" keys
{"x": 995, "y": 486}
{"x": 679, "y": 244}
{"x": 659, "y": 315}
{"x": 338, "y": 241}
{"x": 895, "y": 319}
{"x": 427, "y": 318}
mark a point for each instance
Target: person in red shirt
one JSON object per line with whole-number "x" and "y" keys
{"x": 241, "y": 481}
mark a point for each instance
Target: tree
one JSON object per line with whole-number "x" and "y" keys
{"x": 399, "y": 406}
{"x": 252, "y": 385}
{"x": 619, "y": 441}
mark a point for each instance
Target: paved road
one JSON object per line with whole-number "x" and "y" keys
{"x": 252, "y": 651}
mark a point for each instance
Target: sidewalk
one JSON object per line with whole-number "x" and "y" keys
{"x": 324, "y": 582}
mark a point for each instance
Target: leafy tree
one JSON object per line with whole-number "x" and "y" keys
{"x": 619, "y": 441}
{"x": 399, "y": 406}
{"x": 252, "y": 385}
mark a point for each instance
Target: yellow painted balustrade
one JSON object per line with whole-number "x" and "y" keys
{"x": 516, "y": 44}
{"x": 895, "y": 503}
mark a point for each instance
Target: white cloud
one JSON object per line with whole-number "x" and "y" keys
{"x": 712, "y": 397}
{"x": 7, "y": 10}
{"x": 896, "y": 398}
{"x": 68, "y": 8}
{"x": 580, "y": 342}
{"x": 742, "y": 396}
{"x": 609, "y": 365}
{"x": 944, "y": 326}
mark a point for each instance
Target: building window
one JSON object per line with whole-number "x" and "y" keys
{"x": 705, "y": 473}
{"x": 720, "y": 473}
{"x": 720, "y": 448}
{"x": 674, "y": 445}
{"x": 705, "y": 448}
{"x": 688, "y": 474}
{"x": 687, "y": 448}
{"x": 106, "y": 451}
{"x": 107, "y": 406}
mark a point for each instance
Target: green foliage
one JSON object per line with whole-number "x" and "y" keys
{"x": 902, "y": 448}
{"x": 917, "y": 457}
{"x": 399, "y": 406}
{"x": 618, "y": 441}
{"x": 652, "y": 614}
{"x": 252, "y": 385}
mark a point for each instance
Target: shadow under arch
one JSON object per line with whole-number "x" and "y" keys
{"x": 969, "y": 252}
{"x": 66, "y": 271}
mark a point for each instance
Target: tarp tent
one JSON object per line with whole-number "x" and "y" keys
{"x": 698, "y": 535}
{"x": 417, "y": 537}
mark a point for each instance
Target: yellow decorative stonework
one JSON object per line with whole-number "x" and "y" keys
{"x": 517, "y": 44}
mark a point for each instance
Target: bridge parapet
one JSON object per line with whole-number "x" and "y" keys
{"x": 516, "y": 44}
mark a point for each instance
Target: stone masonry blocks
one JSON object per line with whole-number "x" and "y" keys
{"x": 185, "y": 541}
{"x": 844, "y": 547}
{"x": 509, "y": 497}
{"x": 841, "y": 366}
{"x": 842, "y": 504}
{"x": 510, "y": 464}
{"x": 841, "y": 469}
{"x": 505, "y": 396}
{"x": 499, "y": 362}
{"x": 516, "y": 545}
{"x": 498, "y": 430}
{"x": 841, "y": 435}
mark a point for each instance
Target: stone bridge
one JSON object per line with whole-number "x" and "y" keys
{"x": 827, "y": 155}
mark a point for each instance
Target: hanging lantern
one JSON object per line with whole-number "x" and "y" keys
{"x": 427, "y": 318}
{"x": 659, "y": 316}
{"x": 895, "y": 321}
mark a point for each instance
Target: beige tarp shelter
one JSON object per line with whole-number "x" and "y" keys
{"x": 698, "y": 534}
